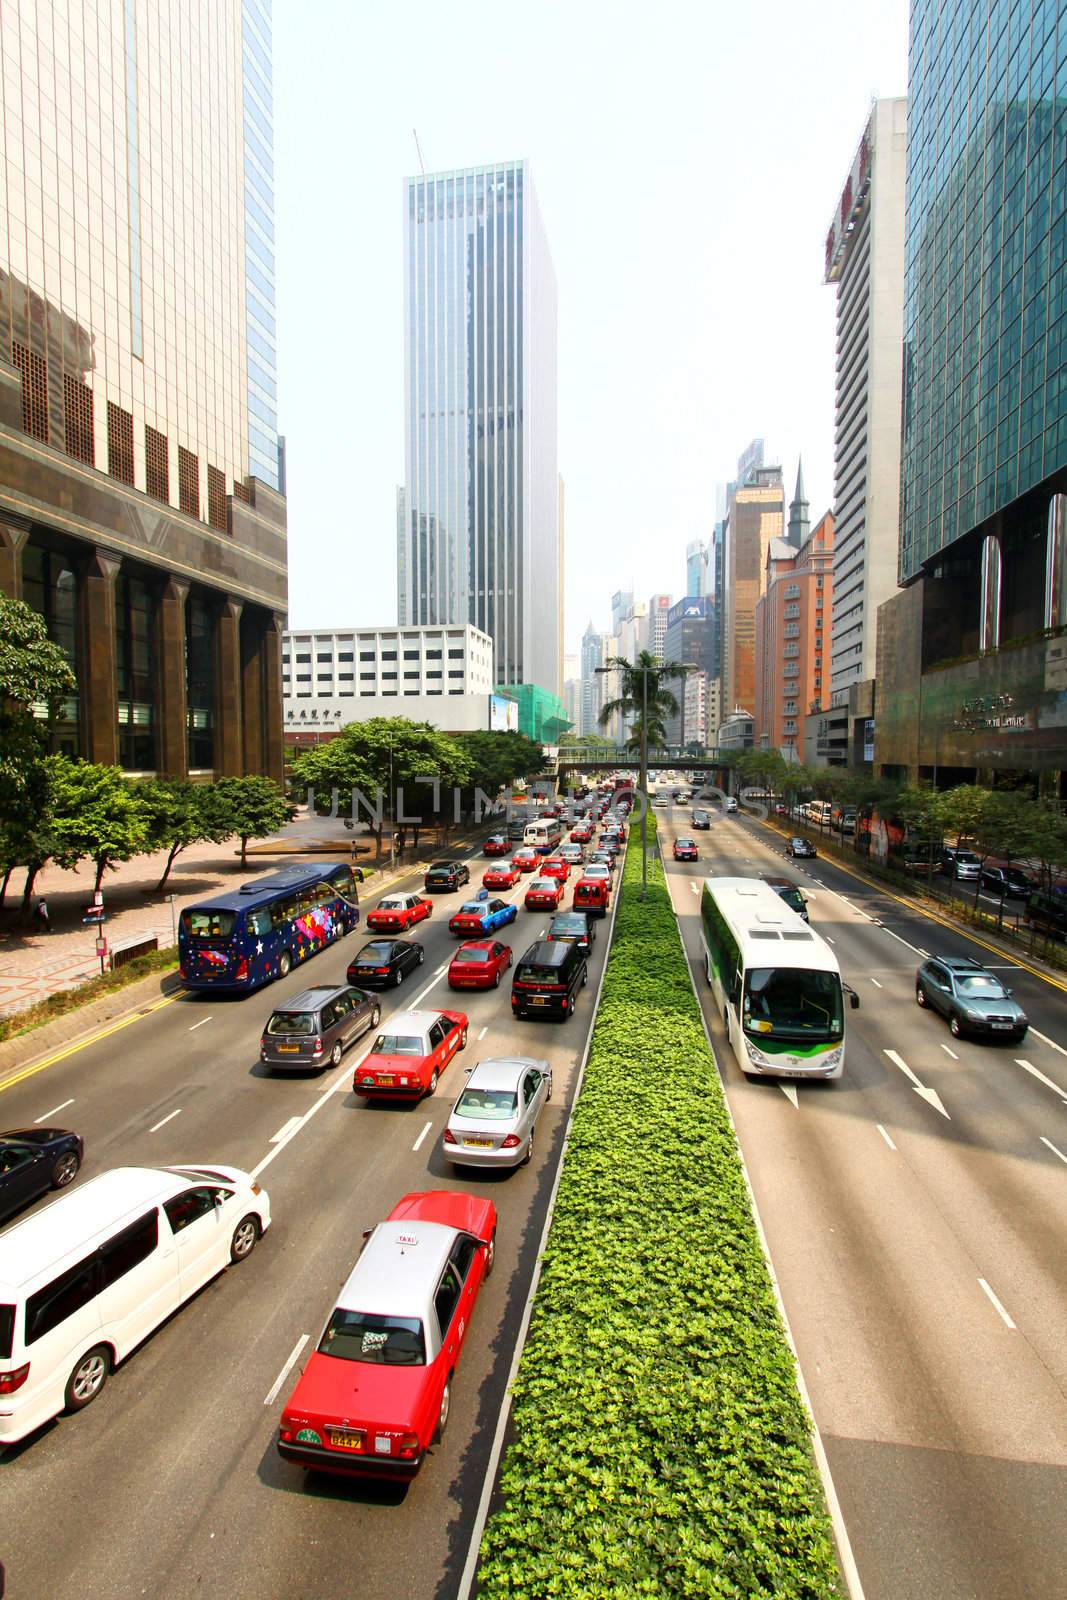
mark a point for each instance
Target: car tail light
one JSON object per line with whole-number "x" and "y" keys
{"x": 407, "y": 1446}
{"x": 449, "y": 1137}
{"x": 317, "y": 1047}
{"x": 512, "y": 1142}
{"x": 182, "y": 972}
{"x": 242, "y": 968}
{"x": 383, "y": 972}
{"x": 10, "y": 1381}
{"x": 256, "y": 1189}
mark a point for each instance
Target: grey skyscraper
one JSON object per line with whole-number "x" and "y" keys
{"x": 479, "y": 535}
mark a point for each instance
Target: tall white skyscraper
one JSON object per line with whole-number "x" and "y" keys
{"x": 479, "y": 525}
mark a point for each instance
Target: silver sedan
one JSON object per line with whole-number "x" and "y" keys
{"x": 492, "y": 1123}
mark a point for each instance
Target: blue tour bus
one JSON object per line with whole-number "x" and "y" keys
{"x": 262, "y": 930}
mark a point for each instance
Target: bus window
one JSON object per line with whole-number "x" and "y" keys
{"x": 208, "y": 924}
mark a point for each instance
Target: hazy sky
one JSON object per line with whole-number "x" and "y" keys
{"x": 688, "y": 158}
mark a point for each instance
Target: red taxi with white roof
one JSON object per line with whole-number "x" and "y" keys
{"x": 555, "y": 867}
{"x": 526, "y": 860}
{"x": 497, "y": 844}
{"x": 479, "y": 964}
{"x": 376, "y": 1393}
{"x": 544, "y": 894}
{"x": 410, "y": 1053}
{"x": 505, "y": 875}
{"x": 395, "y": 913}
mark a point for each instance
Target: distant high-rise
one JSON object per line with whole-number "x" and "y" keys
{"x": 799, "y": 525}
{"x": 480, "y": 536}
{"x": 755, "y": 515}
{"x": 696, "y": 569}
{"x": 658, "y": 607}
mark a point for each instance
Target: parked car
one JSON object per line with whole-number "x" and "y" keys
{"x": 315, "y": 1027}
{"x": 395, "y": 913}
{"x": 492, "y": 1124}
{"x": 547, "y": 979}
{"x": 685, "y": 850}
{"x": 787, "y": 889}
{"x": 801, "y": 848}
{"x": 376, "y": 1393}
{"x": 497, "y": 844}
{"x": 385, "y": 961}
{"x": 962, "y": 865}
{"x": 34, "y": 1160}
{"x": 504, "y": 875}
{"x": 446, "y": 875}
{"x": 1007, "y": 881}
{"x": 544, "y": 894}
{"x": 972, "y": 998}
{"x": 479, "y": 964}
{"x": 482, "y": 915}
{"x": 410, "y": 1055}
{"x": 574, "y": 927}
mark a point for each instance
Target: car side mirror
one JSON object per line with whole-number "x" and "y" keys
{"x": 854, "y": 1000}
{"x": 366, "y": 1234}
{"x": 220, "y": 1199}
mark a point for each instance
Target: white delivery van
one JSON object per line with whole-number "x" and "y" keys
{"x": 86, "y": 1279}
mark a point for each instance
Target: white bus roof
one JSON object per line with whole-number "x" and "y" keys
{"x": 78, "y": 1221}
{"x": 769, "y": 932}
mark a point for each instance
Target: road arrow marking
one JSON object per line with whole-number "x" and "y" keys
{"x": 790, "y": 1092}
{"x": 931, "y": 1096}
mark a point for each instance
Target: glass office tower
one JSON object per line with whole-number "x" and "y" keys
{"x": 478, "y": 534}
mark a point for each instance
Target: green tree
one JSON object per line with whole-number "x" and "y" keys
{"x": 250, "y": 807}
{"x": 496, "y": 760}
{"x": 1010, "y": 826}
{"x": 178, "y": 814}
{"x": 961, "y": 810}
{"x": 93, "y": 815}
{"x": 644, "y": 701}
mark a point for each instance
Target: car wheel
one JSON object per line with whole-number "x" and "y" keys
{"x": 336, "y": 1054}
{"x": 442, "y": 1415}
{"x": 422, "y": 957}
{"x": 528, "y": 1157}
{"x": 463, "y": 1040}
{"x": 585, "y": 976}
{"x": 88, "y": 1378}
{"x": 244, "y": 1239}
{"x": 65, "y": 1170}
{"x": 398, "y": 980}
{"x": 956, "y": 1026}
{"x": 434, "y": 1075}
{"x": 496, "y": 980}
{"x": 490, "y": 1256}
{"x": 285, "y": 964}
{"x": 375, "y": 1018}
{"x": 511, "y": 957}
{"x": 920, "y": 996}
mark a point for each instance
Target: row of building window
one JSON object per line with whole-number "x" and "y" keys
{"x": 370, "y": 694}
{"x": 324, "y": 658}
{"x": 366, "y": 677}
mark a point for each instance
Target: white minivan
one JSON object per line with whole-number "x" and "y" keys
{"x": 86, "y": 1279}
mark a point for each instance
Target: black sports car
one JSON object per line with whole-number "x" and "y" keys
{"x": 446, "y": 875}
{"x": 384, "y": 962}
{"x": 34, "y": 1160}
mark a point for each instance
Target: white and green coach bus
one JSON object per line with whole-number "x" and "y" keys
{"x": 776, "y": 982}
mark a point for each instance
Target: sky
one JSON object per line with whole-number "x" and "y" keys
{"x": 688, "y": 160}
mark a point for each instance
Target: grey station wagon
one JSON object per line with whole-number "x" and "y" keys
{"x": 315, "y": 1027}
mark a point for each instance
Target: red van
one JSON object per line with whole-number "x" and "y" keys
{"x": 591, "y": 896}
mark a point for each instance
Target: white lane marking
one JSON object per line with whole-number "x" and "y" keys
{"x": 828, "y": 939}
{"x": 339, "y": 1081}
{"x": 294, "y": 1357}
{"x": 901, "y": 940}
{"x": 931, "y": 1096}
{"x": 422, "y": 1135}
{"x": 790, "y": 1092}
{"x": 1052, "y": 1147}
{"x": 166, "y": 1120}
{"x": 284, "y": 1129}
{"x": 434, "y": 981}
{"x": 695, "y": 888}
{"x": 997, "y": 1304}
{"x": 442, "y": 968}
{"x": 949, "y": 1052}
{"x": 199, "y": 1024}
{"x": 923, "y": 952}
{"x": 877, "y": 985}
{"x": 885, "y": 1136}
{"x": 38, "y": 1120}
{"x": 1046, "y": 1040}
{"x": 484, "y": 1031}
{"x": 1035, "y": 1072}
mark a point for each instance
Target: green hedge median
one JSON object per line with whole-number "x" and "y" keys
{"x": 658, "y": 1443}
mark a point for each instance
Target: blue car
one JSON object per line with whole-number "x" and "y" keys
{"x": 482, "y": 916}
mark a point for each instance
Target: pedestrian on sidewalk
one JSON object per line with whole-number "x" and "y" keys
{"x": 41, "y": 914}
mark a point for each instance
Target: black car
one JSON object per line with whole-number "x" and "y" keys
{"x": 788, "y": 891}
{"x": 800, "y": 847}
{"x": 574, "y": 927}
{"x": 384, "y": 962}
{"x": 972, "y": 998}
{"x": 34, "y": 1160}
{"x": 1048, "y": 912}
{"x": 1007, "y": 882}
{"x": 547, "y": 979}
{"x": 700, "y": 818}
{"x": 446, "y": 875}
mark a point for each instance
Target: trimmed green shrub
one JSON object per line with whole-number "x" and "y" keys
{"x": 64, "y": 1000}
{"x": 658, "y": 1442}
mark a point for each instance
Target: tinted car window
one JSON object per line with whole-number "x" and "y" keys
{"x": 364, "y": 1336}
{"x": 189, "y": 1207}
{"x": 446, "y": 1299}
{"x": 497, "y": 1105}
{"x": 529, "y": 973}
{"x": 475, "y": 955}
{"x": 132, "y": 1246}
{"x": 7, "y": 1331}
{"x": 301, "y": 1023}
{"x": 462, "y": 1254}
{"x": 981, "y": 985}
{"x": 60, "y": 1299}
{"x": 397, "y": 1044}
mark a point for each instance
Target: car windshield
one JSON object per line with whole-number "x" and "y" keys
{"x": 792, "y": 1003}
{"x": 375, "y": 952}
{"x": 542, "y": 883}
{"x": 597, "y": 871}
{"x": 794, "y": 898}
{"x": 298, "y": 1022}
{"x": 967, "y": 856}
{"x": 395, "y": 904}
{"x": 208, "y": 924}
{"x": 492, "y": 1105}
{"x": 472, "y": 953}
{"x": 365, "y": 1336}
{"x": 569, "y": 925}
{"x": 686, "y": 844}
{"x": 981, "y": 986}
{"x": 473, "y": 908}
{"x": 398, "y": 1044}
{"x": 529, "y": 973}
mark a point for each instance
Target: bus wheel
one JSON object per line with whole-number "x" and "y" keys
{"x": 285, "y": 964}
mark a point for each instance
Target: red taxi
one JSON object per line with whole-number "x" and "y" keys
{"x": 497, "y": 844}
{"x": 397, "y": 912}
{"x": 526, "y": 859}
{"x": 581, "y": 835}
{"x": 544, "y": 894}
{"x": 591, "y": 895}
{"x": 479, "y": 964}
{"x": 685, "y": 850}
{"x": 555, "y": 867}
{"x": 410, "y": 1054}
{"x": 505, "y": 875}
{"x": 376, "y": 1393}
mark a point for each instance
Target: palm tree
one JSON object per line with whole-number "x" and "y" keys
{"x": 648, "y": 705}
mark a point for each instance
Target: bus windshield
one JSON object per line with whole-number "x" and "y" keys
{"x": 792, "y": 1003}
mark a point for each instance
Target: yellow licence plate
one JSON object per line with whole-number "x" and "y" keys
{"x": 346, "y": 1441}
{"x": 292, "y": 1048}
{"x": 479, "y": 1144}
{"x": 386, "y": 1077}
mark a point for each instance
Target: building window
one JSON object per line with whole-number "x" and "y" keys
{"x": 324, "y": 655}
{"x": 135, "y": 662}
{"x": 388, "y": 674}
{"x": 50, "y": 587}
{"x": 303, "y": 661}
{"x": 78, "y": 417}
{"x": 188, "y": 481}
{"x": 34, "y": 370}
{"x": 367, "y": 677}
{"x": 455, "y": 655}
{"x": 200, "y": 682}
{"x": 242, "y": 492}
{"x": 325, "y": 677}
{"x": 411, "y": 674}
{"x": 344, "y": 655}
{"x": 344, "y": 677}
{"x": 388, "y": 655}
{"x": 457, "y": 674}
{"x": 119, "y": 443}
{"x": 366, "y": 655}
{"x": 216, "y": 499}
{"x": 157, "y": 464}
{"x": 433, "y": 655}
{"x": 411, "y": 655}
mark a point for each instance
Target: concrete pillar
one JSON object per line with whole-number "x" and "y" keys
{"x": 13, "y": 535}
{"x": 1056, "y": 563}
{"x": 172, "y": 741}
{"x": 273, "y": 748}
{"x": 252, "y": 710}
{"x": 99, "y": 684}
{"x": 229, "y": 742}
{"x": 989, "y": 595}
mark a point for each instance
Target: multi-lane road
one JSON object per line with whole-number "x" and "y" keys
{"x": 916, "y": 1213}
{"x": 169, "y": 1484}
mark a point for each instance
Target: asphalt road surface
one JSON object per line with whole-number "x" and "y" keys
{"x": 916, "y": 1213}
{"x": 169, "y": 1485}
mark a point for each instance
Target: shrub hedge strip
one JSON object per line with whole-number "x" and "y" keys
{"x": 658, "y": 1443}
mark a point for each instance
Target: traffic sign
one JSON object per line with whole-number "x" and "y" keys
{"x": 101, "y": 947}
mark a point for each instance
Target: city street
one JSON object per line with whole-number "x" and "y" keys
{"x": 170, "y": 1483}
{"x": 915, "y": 1212}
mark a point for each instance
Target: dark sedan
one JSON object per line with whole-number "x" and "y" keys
{"x": 447, "y": 875}
{"x": 800, "y": 847}
{"x": 1007, "y": 882}
{"x": 972, "y": 998}
{"x": 574, "y": 927}
{"x": 34, "y": 1160}
{"x": 384, "y": 962}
